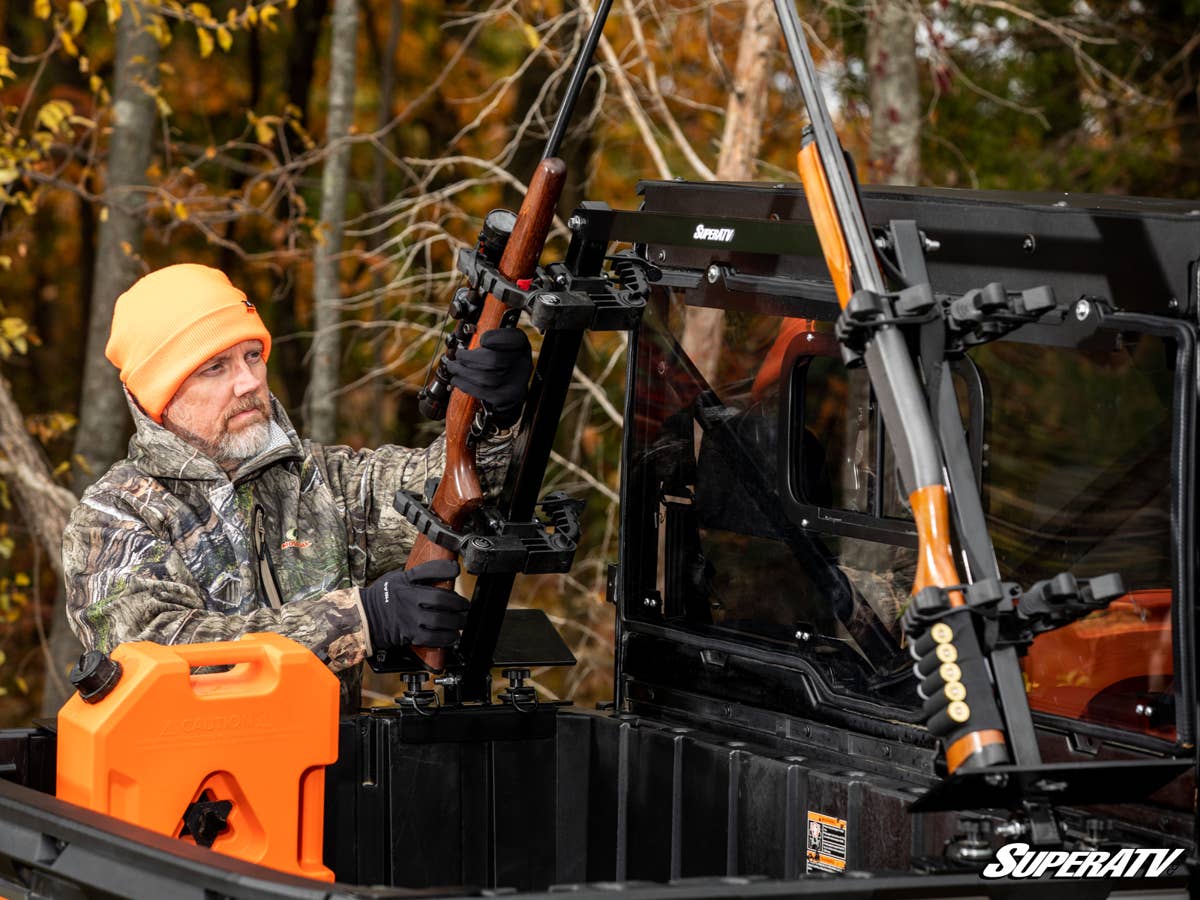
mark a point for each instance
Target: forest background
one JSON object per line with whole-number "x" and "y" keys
{"x": 332, "y": 156}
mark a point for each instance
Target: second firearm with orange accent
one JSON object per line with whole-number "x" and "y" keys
{"x": 972, "y": 726}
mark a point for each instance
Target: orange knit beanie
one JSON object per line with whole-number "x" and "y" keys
{"x": 170, "y": 322}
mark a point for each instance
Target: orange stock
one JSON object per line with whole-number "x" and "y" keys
{"x": 258, "y": 735}
{"x": 935, "y": 565}
{"x": 829, "y": 229}
{"x": 970, "y": 744}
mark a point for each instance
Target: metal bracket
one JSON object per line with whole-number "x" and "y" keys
{"x": 540, "y": 546}
{"x": 557, "y": 299}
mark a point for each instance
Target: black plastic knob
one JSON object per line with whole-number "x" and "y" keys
{"x": 95, "y": 675}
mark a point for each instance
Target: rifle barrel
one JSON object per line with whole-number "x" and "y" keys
{"x": 575, "y": 86}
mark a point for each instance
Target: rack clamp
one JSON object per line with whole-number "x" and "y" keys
{"x": 1007, "y": 616}
{"x": 978, "y": 316}
{"x": 987, "y": 313}
{"x": 555, "y": 298}
{"x": 950, "y": 643}
{"x": 543, "y": 545}
{"x": 867, "y": 311}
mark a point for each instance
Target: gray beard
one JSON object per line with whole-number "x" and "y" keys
{"x": 229, "y": 450}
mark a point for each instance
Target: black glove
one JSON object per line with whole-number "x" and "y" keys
{"x": 404, "y": 607}
{"x": 496, "y": 372}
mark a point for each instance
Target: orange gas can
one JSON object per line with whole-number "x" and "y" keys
{"x": 232, "y": 759}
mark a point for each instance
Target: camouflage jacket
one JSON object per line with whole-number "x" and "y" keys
{"x": 161, "y": 548}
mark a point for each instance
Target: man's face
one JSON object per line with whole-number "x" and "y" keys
{"x": 223, "y": 409}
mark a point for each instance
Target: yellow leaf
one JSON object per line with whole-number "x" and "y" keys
{"x": 164, "y": 108}
{"x": 5, "y": 70}
{"x": 41, "y": 8}
{"x": 22, "y": 685}
{"x": 114, "y": 10}
{"x": 181, "y": 212}
{"x": 3, "y": 657}
{"x": 13, "y": 327}
{"x": 77, "y": 14}
{"x": 85, "y": 65}
{"x": 104, "y": 214}
{"x": 201, "y": 12}
{"x": 251, "y": 14}
{"x": 531, "y": 36}
{"x": 267, "y": 15}
{"x": 6, "y": 262}
{"x": 206, "y": 42}
{"x": 62, "y": 469}
{"x": 224, "y": 38}
{"x": 9, "y": 174}
{"x": 291, "y": 4}
{"x": 54, "y": 114}
{"x": 68, "y": 43}
{"x": 21, "y": 579}
{"x": 231, "y": 17}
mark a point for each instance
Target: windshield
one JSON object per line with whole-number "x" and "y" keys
{"x": 778, "y": 516}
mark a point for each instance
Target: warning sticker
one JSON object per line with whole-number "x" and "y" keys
{"x": 826, "y": 843}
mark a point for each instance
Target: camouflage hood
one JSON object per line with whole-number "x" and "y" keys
{"x": 162, "y": 454}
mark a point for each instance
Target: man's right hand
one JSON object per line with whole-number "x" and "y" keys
{"x": 405, "y": 607}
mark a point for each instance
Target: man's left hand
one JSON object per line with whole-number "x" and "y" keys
{"x": 496, "y": 372}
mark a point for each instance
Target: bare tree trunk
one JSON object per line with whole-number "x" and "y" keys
{"x": 44, "y": 507}
{"x": 103, "y": 420}
{"x": 703, "y": 330}
{"x": 326, "y": 346}
{"x": 895, "y": 94}
{"x": 387, "y": 84}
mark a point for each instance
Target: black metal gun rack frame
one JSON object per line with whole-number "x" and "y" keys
{"x": 941, "y": 328}
{"x": 508, "y": 539}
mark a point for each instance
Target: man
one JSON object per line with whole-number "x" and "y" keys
{"x": 221, "y": 521}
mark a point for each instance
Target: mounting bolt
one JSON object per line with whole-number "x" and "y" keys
{"x": 575, "y": 223}
{"x": 1029, "y": 243}
{"x": 882, "y": 242}
{"x": 1173, "y": 303}
{"x": 803, "y": 636}
{"x": 481, "y": 543}
{"x": 650, "y": 603}
{"x": 550, "y": 299}
{"x": 714, "y": 272}
{"x": 662, "y": 255}
{"x": 930, "y": 245}
{"x": 1083, "y": 309}
{"x": 447, "y": 680}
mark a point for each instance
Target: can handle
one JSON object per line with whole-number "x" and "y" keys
{"x": 228, "y": 653}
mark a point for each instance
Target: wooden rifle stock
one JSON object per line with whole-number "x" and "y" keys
{"x": 458, "y": 492}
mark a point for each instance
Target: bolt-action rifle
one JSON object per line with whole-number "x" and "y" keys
{"x": 458, "y": 493}
{"x": 969, "y": 719}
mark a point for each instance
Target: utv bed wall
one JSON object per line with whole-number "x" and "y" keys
{"x": 613, "y": 805}
{"x": 700, "y": 783}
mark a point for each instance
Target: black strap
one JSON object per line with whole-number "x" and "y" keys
{"x": 266, "y": 571}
